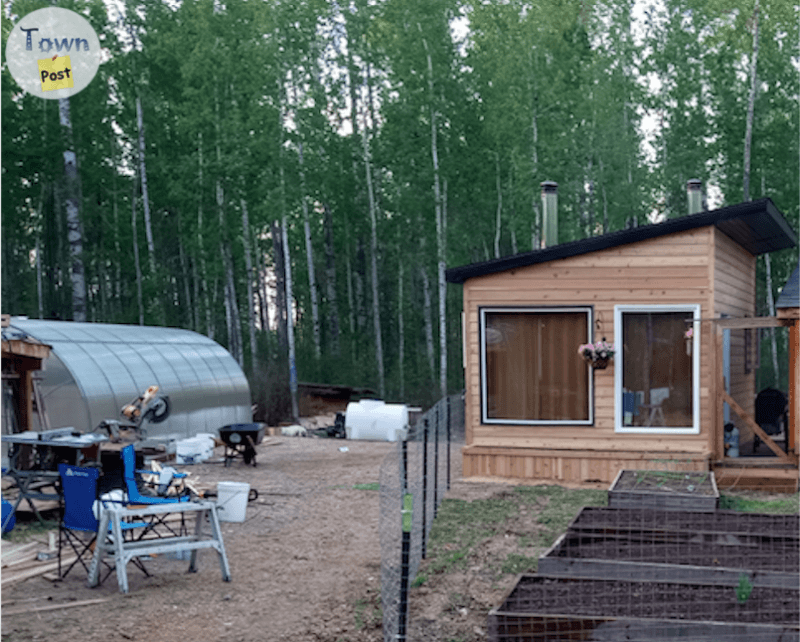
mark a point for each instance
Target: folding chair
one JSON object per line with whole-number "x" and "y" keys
{"x": 135, "y": 497}
{"x": 129, "y": 473}
{"x": 79, "y": 488}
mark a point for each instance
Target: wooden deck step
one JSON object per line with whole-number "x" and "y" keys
{"x": 755, "y": 475}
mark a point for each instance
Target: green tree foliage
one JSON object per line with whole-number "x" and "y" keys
{"x": 465, "y": 106}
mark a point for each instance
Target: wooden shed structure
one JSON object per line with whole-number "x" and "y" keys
{"x": 22, "y": 359}
{"x": 535, "y": 409}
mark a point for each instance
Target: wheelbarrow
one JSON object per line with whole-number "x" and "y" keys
{"x": 240, "y": 441}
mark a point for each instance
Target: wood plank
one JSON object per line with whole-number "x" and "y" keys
{"x": 55, "y": 607}
{"x": 750, "y": 322}
{"x": 755, "y": 427}
{"x": 45, "y": 567}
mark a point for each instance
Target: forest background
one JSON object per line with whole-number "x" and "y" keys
{"x": 339, "y": 155}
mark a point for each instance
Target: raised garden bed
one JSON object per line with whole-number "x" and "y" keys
{"x": 544, "y": 609}
{"x": 664, "y": 490}
{"x": 714, "y": 548}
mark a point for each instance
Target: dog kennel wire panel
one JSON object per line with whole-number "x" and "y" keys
{"x": 95, "y": 369}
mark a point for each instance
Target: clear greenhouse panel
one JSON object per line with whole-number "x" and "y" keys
{"x": 95, "y": 369}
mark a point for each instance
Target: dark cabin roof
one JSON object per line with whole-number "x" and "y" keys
{"x": 758, "y": 226}
{"x": 790, "y": 294}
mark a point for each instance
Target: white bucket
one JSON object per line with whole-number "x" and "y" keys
{"x": 232, "y": 500}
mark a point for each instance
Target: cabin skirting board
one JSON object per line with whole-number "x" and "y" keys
{"x": 575, "y": 467}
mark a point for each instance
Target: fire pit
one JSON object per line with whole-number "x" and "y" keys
{"x": 240, "y": 441}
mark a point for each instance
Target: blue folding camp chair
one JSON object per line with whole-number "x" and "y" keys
{"x": 129, "y": 473}
{"x": 79, "y": 488}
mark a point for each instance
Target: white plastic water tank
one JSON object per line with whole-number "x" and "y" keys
{"x": 375, "y": 419}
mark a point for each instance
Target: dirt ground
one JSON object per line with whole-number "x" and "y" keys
{"x": 305, "y": 564}
{"x": 306, "y": 554}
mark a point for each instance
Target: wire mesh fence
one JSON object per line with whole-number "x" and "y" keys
{"x": 664, "y": 556}
{"x": 661, "y": 567}
{"x": 414, "y": 478}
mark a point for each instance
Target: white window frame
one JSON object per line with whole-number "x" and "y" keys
{"x": 485, "y": 419}
{"x": 619, "y": 359}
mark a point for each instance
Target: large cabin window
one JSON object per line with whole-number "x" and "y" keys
{"x": 657, "y": 368}
{"x": 531, "y": 372}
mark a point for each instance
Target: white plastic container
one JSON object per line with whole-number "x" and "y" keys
{"x": 194, "y": 450}
{"x": 374, "y": 419}
{"x": 232, "y": 500}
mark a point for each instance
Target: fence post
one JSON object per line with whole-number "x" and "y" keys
{"x": 436, "y": 461}
{"x": 424, "y": 488}
{"x": 448, "y": 442}
{"x": 405, "y": 559}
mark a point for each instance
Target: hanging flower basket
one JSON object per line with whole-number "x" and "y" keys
{"x": 599, "y": 364}
{"x": 597, "y": 354}
{"x": 689, "y": 336}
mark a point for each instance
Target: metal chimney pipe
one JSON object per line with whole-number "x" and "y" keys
{"x": 694, "y": 193}
{"x": 549, "y": 213}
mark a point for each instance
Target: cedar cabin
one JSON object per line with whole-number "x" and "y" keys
{"x": 677, "y": 299}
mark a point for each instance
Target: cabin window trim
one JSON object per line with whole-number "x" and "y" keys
{"x": 482, "y": 313}
{"x": 619, "y": 359}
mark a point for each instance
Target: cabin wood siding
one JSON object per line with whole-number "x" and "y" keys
{"x": 674, "y": 269}
{"x": 734, "y": 294}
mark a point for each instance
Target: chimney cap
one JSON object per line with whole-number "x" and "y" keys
{"x": 694, "y": 183}
{"x": 549, "y": 186}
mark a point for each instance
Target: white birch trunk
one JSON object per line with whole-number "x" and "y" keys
{"x": 187, "y": 295}
{"x": 148, "y": 229}
{"x": 751, "y": 103}
{"x": 287, "y": 268}
{"x": 39, "y": 289}
{"x": 248, "y": 266}
{"x": 287, "y": 274}
{"x": 262, "y": 284}
{"x": 772, "y": 338}
{"x": 440, "y": 236}
{"x": 748, "y": 139}
{"x": 312, "y": 278}
{"x": 229, "y": 289}
{"x": 536, "y": 223}
{"x": 376, "y": 314}
{"x": 428, "y": 322}
{"x": 136, "y": 264}
{"x": 231, "y": 307}
{"x": 72, "y": 203}
{"x": 200, "y": 244}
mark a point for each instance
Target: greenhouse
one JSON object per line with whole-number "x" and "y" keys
{"x": 94, "y": 369}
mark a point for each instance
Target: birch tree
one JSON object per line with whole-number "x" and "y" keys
{"x": 72, "y": 206}
{"x": 248, "y": 263}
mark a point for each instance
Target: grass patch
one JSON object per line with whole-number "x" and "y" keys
{"x": 25, "y": 530}
{"x": 516, "y": 564}
{"x": 367, "y": 614}
{"x": 372, "y": 486}
{"x": 559, "y": 507}
{"x": 461, "y": 525}
{"x": 783, "y": 506}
